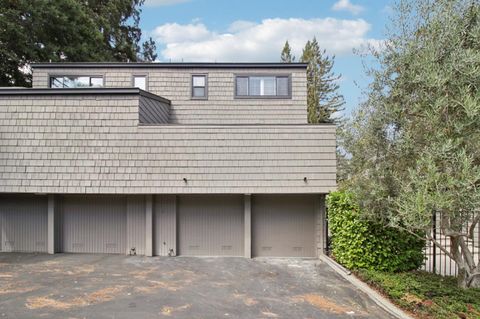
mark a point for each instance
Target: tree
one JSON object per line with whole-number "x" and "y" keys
{"x": 65, "y": 30}
{"x": 149, "y": 51}
{"x": 415, "y": 142}
{"x": 323, "y": 99}
{"x": 286, "y": 56}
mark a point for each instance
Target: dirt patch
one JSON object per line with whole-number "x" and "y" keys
{"x": 14, "y": 288}
{"x": 322, "y": 303}
{"x": 269, "y": 314}
{"x": 85, "y": 269}
{"x": 142, "y": 274}
{"x": 248, "y": 301}
{"x": 412, "y": 299}
{"x": 99, "y": 296}
{"x": 154, "y": 285}
{"x": 168, "y": 311}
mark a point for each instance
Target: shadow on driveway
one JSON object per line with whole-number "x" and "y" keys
{"x": 114, "y": 286}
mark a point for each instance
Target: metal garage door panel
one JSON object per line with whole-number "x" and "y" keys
{"x": 94, "y": 224}
{"x": 23, "y": 223}
{"x": 165, "y": 232}
{"x": 211, "y": 225}
{"x": 283, "y": 226}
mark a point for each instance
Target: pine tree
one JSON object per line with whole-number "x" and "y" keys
{"x": 323, "y": 99}
{"x": 287, "y": 56}
{"x": 149, "y": 51}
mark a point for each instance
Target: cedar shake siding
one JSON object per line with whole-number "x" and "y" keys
{"x": 220, "y": 107}
{"x": 159, "y": 171}
{"x": 94, "y": 143}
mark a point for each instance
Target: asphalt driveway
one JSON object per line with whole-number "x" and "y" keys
{"x": 114, "y": 286}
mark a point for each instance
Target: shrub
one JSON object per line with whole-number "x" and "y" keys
{"x": 358, "y": 243}
{"x": 425, "y": 294}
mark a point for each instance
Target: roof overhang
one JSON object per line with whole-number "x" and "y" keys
{"x": 80, "y": 91}
{"x": 210, "y": 65}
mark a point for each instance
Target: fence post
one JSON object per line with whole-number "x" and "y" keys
{"x": 326, "y": 247}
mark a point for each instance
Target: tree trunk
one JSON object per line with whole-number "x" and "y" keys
{"x": 462, "y": 278}
{"x": 475, "y": 282}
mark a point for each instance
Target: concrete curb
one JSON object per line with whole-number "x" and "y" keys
{"x": 382, "y": 302}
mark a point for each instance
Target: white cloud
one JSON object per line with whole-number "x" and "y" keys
{"x": 158, "y": 3}
{"x": 250, "y": 41}
{"x": 346, "y": 5}
{"x": 177, "y": 33}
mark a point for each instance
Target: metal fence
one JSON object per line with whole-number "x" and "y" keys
{"x": 437, "y": 261}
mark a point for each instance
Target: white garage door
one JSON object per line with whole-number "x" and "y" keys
{"x": 93, "y": 224}
{"x": 211, "y": 225}
{"x": 283, "y": 226}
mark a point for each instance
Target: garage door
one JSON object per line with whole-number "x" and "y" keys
{"x": 283, "y": 226}
{"x": 23, "y": 223}
{"x": 210, "y": 225}
{"x": 93, "y": 224}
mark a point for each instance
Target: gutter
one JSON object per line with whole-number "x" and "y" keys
{"x": 153, "y": 65}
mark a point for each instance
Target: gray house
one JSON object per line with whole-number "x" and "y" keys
{"x": 164, "y": 159}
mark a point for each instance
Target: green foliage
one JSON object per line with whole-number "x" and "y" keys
{"x": 149, "y": 51}
{"x": 65, "y": 30}
{"x": 363, "y": 244}
{"x": 425, "y": 294}
{"x": 323, "y": 98}
{"x": 286, "y": 56}
{"x": 415, "y": 142}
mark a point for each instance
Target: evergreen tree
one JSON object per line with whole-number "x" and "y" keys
{"x": 323, "y": 98}
{"x": 65, "y": 30}
{"x": 149, "y": 51}
{"x": 286, "y": 56}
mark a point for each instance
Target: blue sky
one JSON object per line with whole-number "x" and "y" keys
{"x": 249, "y": 30}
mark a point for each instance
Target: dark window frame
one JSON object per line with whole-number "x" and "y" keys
{"x": 273, "y": 97}
{"x": 90, "y": 76}
{"x": 192, "y": 87}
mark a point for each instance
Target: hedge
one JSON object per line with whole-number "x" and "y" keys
{"x": 357, "y": 243}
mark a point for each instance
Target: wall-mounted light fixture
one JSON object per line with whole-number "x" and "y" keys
{"x": 305, "y": 179}
{"x": 185, "y": 180}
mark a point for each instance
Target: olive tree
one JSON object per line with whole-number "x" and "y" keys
{"x": 415, "y": 141}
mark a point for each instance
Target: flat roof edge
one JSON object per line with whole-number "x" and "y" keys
{"x": 183, "y": 65}
{"x": 81, "y": 91}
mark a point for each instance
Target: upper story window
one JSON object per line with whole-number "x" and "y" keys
{"x": 199, "y": 86}
{"x": 262, "y": 86}
{"x": 140, "y": 81}
{"x": 70, "y": 82}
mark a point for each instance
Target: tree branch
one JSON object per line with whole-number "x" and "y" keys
{"x": 430, "y": 238}
{"x": 467, "y": 254}
{"x": 472, "y": 226}
{"x": 442, "y": 248}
